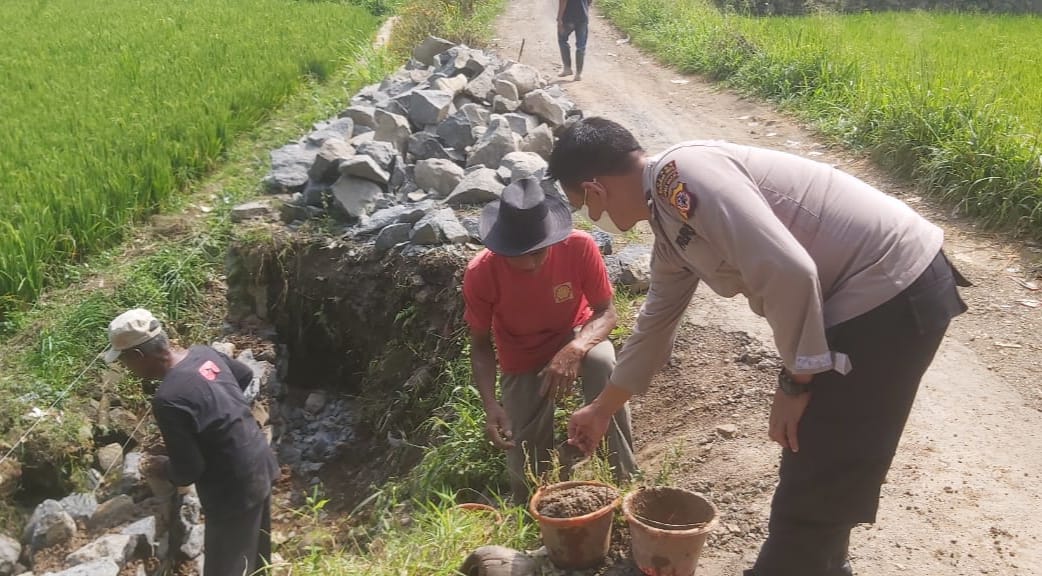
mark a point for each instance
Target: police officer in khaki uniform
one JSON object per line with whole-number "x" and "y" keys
{"x": 852, "y": 282}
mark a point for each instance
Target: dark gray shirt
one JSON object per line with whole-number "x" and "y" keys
{"x": 577, "y": 11}
{"x": 211, "y": 436}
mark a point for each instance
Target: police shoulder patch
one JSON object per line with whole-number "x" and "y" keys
{"x": 682, "y": 199}
{"x": 666, "y": 179}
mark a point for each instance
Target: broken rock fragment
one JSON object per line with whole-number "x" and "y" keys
{"x": 438, "y": 175}
{"x": 355, "y": 197}
{"x": 523, "y": 77}
{"x": 498, "y": 141}
{"x": 392, "y": 128}
{"x": 457, "y": 131}
{"x": 431, "y": 47}
{"x": 429, "y": 107}
{"x": 541, "y": 104}
{"x": 540, "y": 140}
{"x": 366, "y": 167}
{"x": 478, "y": 187}
{"x": 332, "y": 153}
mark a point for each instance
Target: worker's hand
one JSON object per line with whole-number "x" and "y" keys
{"x": 498, "y": 427}
{"x": 155, "y": 467}
{"x": 560, "y": 28}
{"x": 561, "y": 372}
{"x": 786, "y": 412}
{"x": 587, "y": 427}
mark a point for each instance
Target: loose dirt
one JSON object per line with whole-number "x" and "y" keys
{"x": 965, "y": 491}
{"x": 576, "y": 501}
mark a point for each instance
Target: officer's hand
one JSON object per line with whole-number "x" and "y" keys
{"x": 560, "y": 27}
{"x": 786, "y": 412}
{"x": 586, "y": 428}
{"x": 498, "y": 427}
{"x": 561, "y": 372}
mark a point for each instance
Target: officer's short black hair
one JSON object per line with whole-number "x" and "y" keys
{"x": 591, "y": 147}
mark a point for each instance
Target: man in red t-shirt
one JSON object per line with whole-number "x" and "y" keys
{"x": 542, "y": 291}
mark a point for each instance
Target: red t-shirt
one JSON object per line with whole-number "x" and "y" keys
{"x": 532, "y": 314}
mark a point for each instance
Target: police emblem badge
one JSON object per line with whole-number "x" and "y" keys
{"x": 682, "y": 199}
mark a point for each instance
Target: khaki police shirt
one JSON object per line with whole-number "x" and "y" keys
{"x": 808, "y": 245}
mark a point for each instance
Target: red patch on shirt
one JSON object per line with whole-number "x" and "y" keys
{"x": 209, "y": 370}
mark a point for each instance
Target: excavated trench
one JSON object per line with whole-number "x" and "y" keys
{"x": 361, "y": 344}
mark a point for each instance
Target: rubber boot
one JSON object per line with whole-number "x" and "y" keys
{"x": 579, "y": 57}
{"x": 566, "y": 61}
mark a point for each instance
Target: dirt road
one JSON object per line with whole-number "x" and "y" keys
{"x": 963, "y": 496}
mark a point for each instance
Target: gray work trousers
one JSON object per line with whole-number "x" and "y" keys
{"x": 532, "y": 417}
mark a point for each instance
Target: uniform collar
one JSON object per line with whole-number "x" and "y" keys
{"x": 649, "y": 182}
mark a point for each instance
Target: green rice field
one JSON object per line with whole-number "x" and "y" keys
{"x": 108, "y": 108}
{"x": 952, "y": 100}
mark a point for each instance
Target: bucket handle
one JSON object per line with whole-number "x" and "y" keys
{"x": 665, "y": 526}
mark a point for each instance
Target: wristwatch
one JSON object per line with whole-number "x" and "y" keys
{"x": 790, "y": 386}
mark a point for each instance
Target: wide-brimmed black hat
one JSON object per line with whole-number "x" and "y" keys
{"x": 524, "y": 219}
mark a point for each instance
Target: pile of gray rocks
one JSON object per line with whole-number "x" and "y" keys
{"x": 99, "y": 539}
{"x": 445, "y": 133}
{"x": 408, "y": 164}
{"x": 308, "y": 436}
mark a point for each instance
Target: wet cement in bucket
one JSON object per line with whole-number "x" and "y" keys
{"x": 576, "y": 501}
{"x": 671, "y": 509}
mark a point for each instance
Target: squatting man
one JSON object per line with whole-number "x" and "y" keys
{"x": 541, "y": 292}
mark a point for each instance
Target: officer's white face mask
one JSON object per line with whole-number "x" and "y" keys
{"x": 604, "y": 222}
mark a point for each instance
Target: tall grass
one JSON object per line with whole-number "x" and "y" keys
{"x": 110, "y": 107}
{"x": 434, "y": 542}
{"x": 174, "y": 271}
{"x": 951, "y": 100}
{"x": 460, "y": 456}
{"x": 461, "y": 21}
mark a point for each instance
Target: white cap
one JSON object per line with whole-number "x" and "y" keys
{"x": 129, "y": 329}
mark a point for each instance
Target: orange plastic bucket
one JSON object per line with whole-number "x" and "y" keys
{"x": 576, "y": 543}
{"x": 668, "y": 528}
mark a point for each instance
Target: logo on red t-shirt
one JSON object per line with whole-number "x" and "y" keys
{"x": 563, "y": 292}
{"x": 209, "y": 370}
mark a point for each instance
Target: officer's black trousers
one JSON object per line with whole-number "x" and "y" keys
{"x": 851, "y": 428}
{"x": 239, "y": 544}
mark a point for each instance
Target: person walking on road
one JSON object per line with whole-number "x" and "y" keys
{"x": 573, "y": 16}
{"x": 852, "y": 282}
{"x": 211, "y": 438}
{"x": 541, "y": 290}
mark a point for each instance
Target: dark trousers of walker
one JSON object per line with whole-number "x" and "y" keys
{"x": 239, "y": 544}
{"x": 852, "y": 425}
